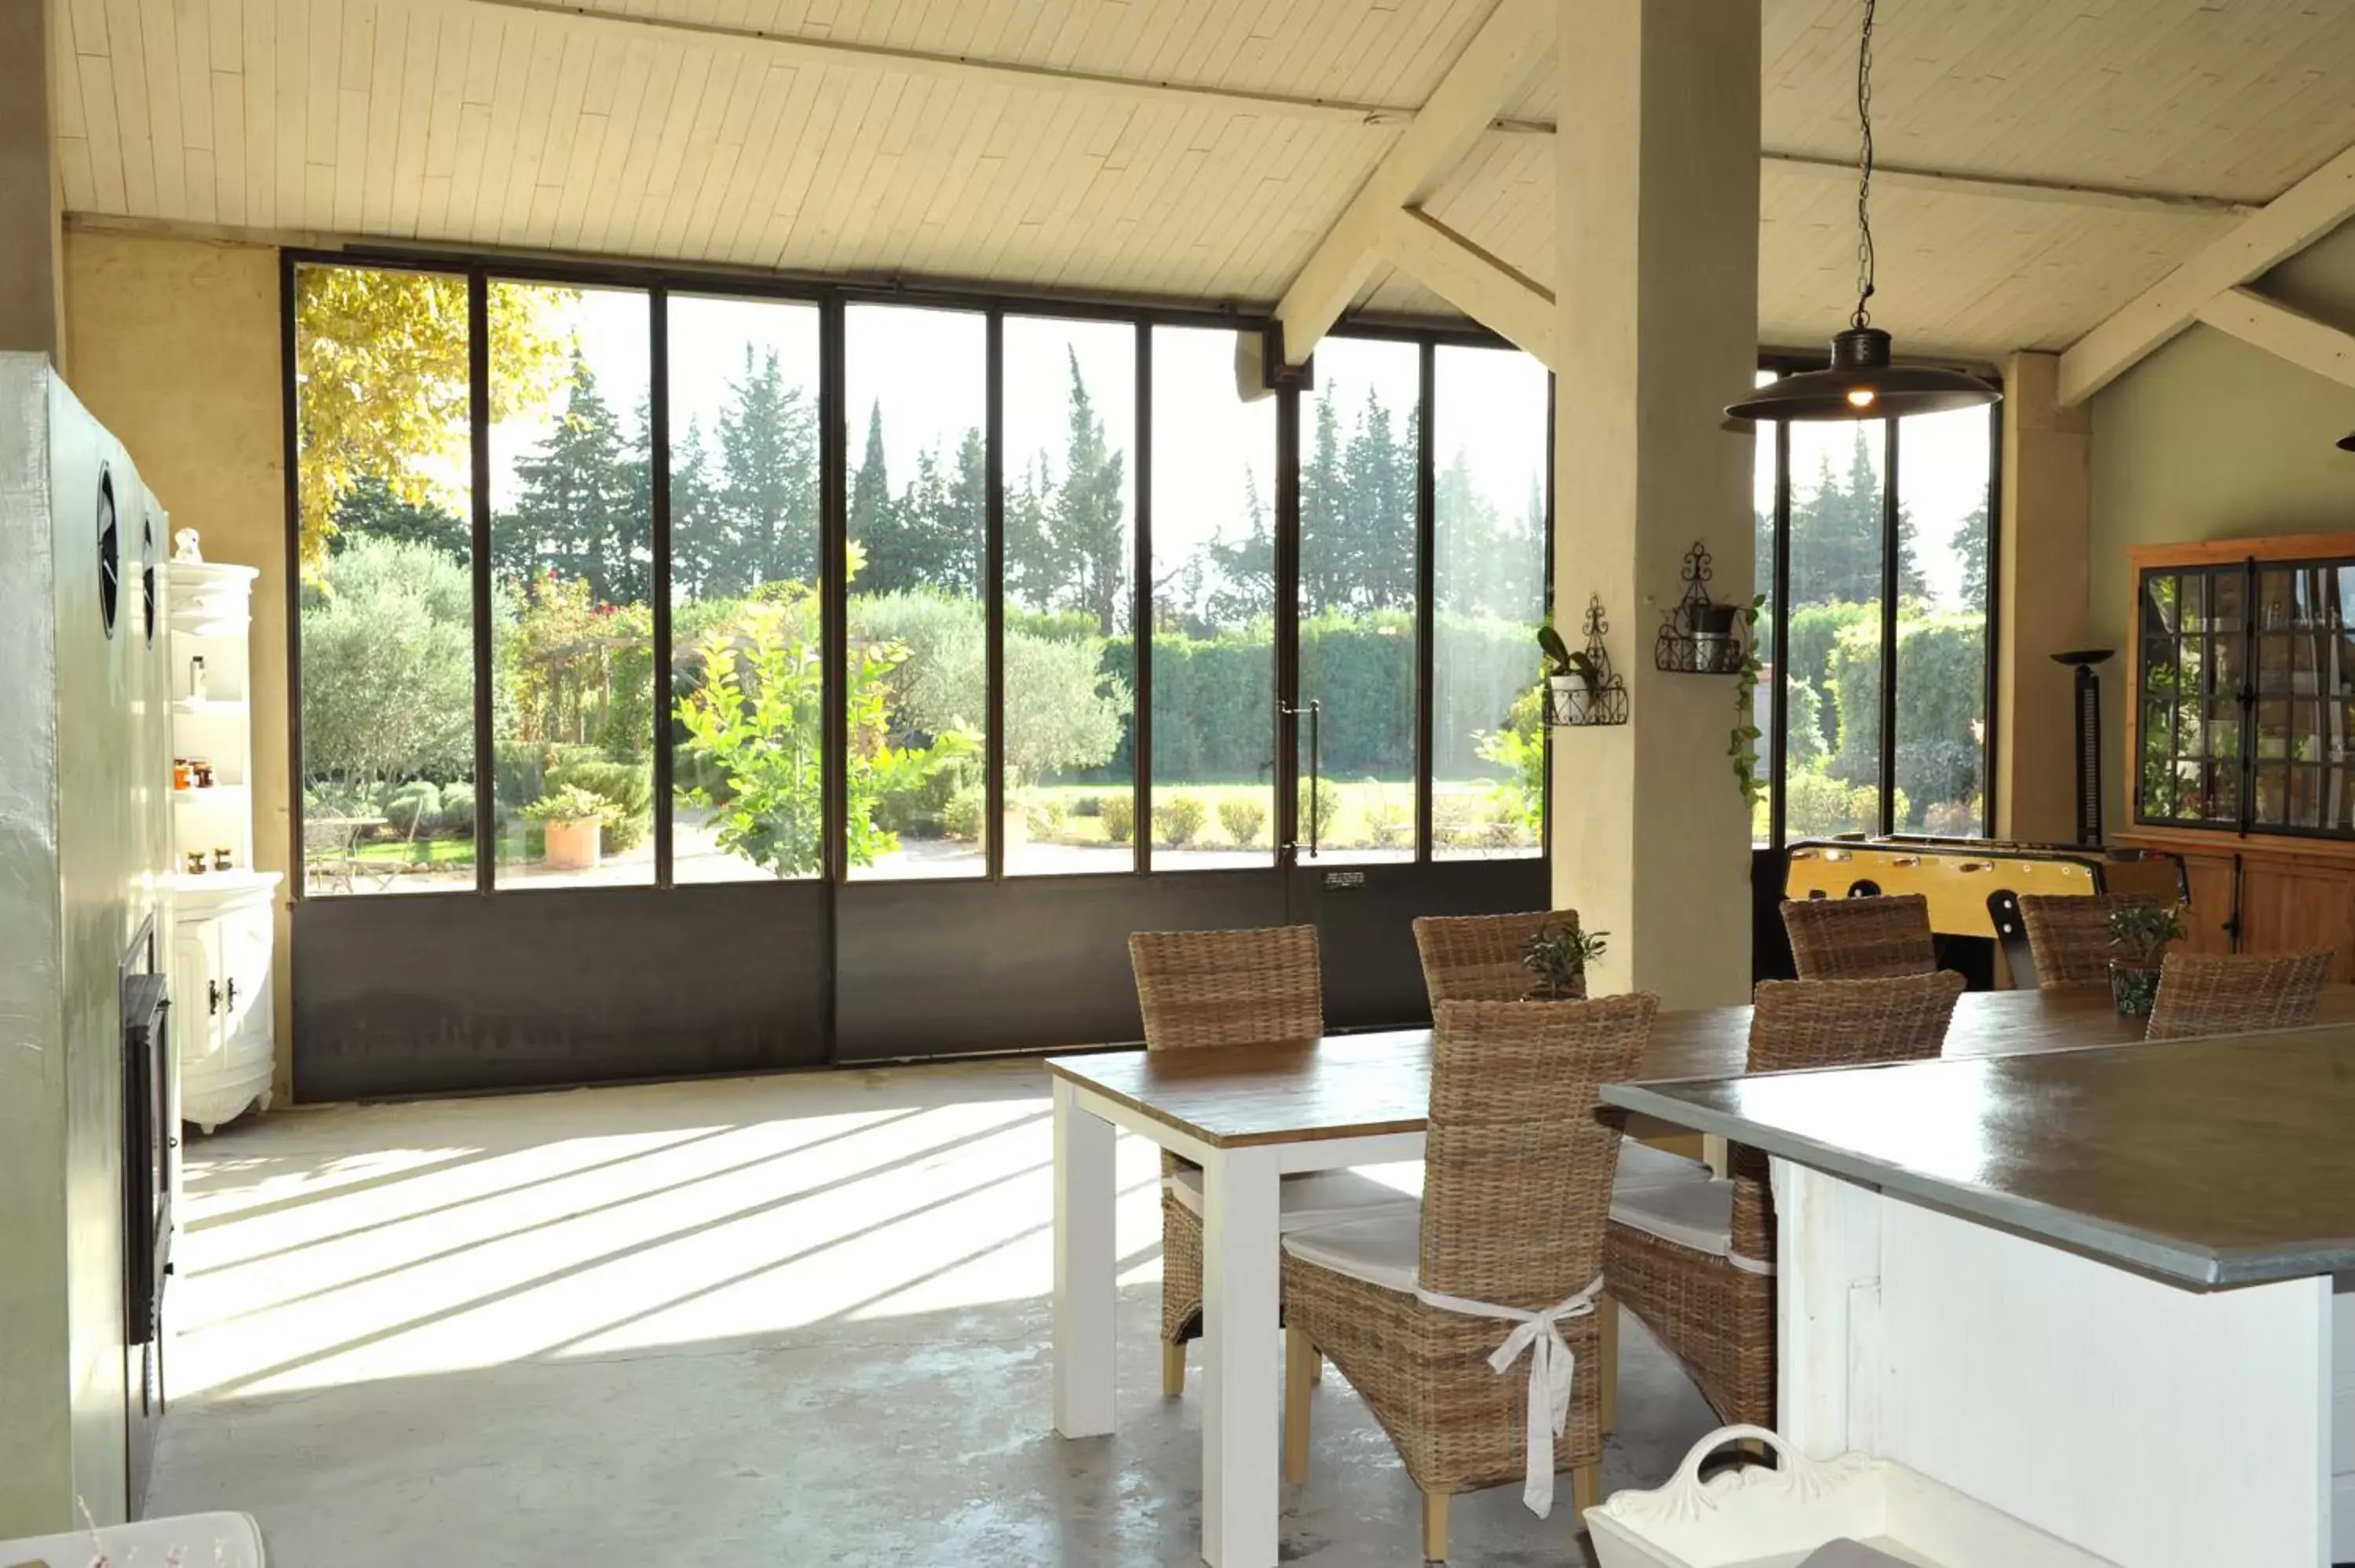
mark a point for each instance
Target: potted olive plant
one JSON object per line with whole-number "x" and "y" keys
{"x": 1559, "y": 956}
{"x": 2140, "y": 932}
{"x": 1573, "y": 678}
{"x": 572, "y": 821}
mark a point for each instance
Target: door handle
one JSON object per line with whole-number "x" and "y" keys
{"x": 212, "y": 996}
{"x": 232, "y": 995}
{"x": 1314, "y": 710}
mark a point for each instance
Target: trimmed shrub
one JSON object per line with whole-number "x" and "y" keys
{"x": 1120, "y": 817}
{"x": 457, "y": 815}
{"x": 1327, "y": 809}
{"x": 1390, "y": 824}
{"x": 1048, "y": 817}
{"x": 1181, "y": 821}
{"x": 413, "y": 808}
{"x": 961, "y": 818}
{"x": 1243, "y": 817}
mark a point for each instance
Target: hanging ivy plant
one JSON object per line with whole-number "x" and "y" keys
{"x": 1744, "y": 747}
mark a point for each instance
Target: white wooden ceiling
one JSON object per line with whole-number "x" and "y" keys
{"x": 1210, "y": 144}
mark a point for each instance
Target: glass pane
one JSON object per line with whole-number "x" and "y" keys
{"x": 386, "y": 619}
{"x": 1489, "y": 737}
{"x": 1832, "y": 741}
{"x": 1213, "y": 607}
{"x": 571, "y": 629}
{"x": 2158, "y": 607}
{"x": 2271, "y": 805}
{"x": 1944, "y": 471}
{"x": 1763, "y": 477}
{"x": 1359, "y": 439}
{"x": 2278, "y": 607}
{"x": 747, "y": 723}
{"x": 2225, "y": 591}
{"x": 1070, "y": 650}
{"x": 916, "y": 383}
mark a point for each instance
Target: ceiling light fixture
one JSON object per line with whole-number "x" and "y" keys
{"x": 1861, "y": 382}
{"x": 2346, "y": 442}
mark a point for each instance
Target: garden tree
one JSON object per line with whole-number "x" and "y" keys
{"x": 577, "y": 512}
{"x": 1836, "y": 533}
{"x": 381, "y": 387}
{"x": 1245, "y": 569}
{"x": 1063, "y": 712}
{"x": 1971, "y": 545}
{"x": 372, "y": 509}
{"x": 1488, "y": 563}
{"x": 960, "y": 536}
{"x": 1379, "y": 505}
{"x": 1089, "y": 518}
{"x": 705, "y": 560}
{"x": 871, "y": 523}
{"x": 1326, "y": 578}
{"x": 388, "y": 667}
{"x": 1032, "y": 570}
{"x": 767, "y": 488}
{"x": 755, "y": 718}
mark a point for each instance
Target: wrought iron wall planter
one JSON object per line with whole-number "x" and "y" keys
{"x": 1593, "y": 694}
{"x": 1700, "y": 636}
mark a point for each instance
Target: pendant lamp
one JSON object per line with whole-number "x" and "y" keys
{"x": 1860, "y": 383}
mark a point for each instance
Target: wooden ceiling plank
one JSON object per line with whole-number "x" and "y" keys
{"x": 348, "y": 175}
{"x": 623, "y": 216}
{"x": 633, "y": 81}
{"x": 387, "y": 75}
{"x": 2295, "y": 219}
{"x": 561, "y": 140}
{"x": 747, "y": 226}
{"x": 1510, "y": 45}
{"x": 153, "y": 30}
{"x": 712, "y": 99}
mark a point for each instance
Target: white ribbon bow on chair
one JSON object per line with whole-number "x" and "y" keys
{"x": 1552, "y": 1365}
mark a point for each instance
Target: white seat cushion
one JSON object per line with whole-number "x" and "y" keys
{"x": 1642, "y": 1166}
{"x": 1326, "y": 1197}
{"x": 1381, "y": 1250}
{"x": 1698, "y": 1214}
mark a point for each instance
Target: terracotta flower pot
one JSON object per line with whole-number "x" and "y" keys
{"x": 573, "y": 847}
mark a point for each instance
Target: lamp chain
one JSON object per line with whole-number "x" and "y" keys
{"x": 1864, "y": 257}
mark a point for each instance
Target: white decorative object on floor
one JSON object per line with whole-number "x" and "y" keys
{"x": 223, "y": 1030}
{"x": 198, "y": 1539}
{"x": 1757, "y": 1517}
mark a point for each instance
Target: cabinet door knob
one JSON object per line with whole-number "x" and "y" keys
{"x": 212, "y": 996}
{"x": 232, "y": 994}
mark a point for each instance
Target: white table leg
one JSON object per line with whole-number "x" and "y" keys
{"x": 1086, "y": 1289}
{"x": 1240, "y": 1371}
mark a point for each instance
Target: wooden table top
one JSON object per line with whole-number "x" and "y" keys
{"x": 1361, "y": 1086}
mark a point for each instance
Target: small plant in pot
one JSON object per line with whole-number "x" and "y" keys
{"x": 572, "y": 821}
{"x": 1711, "y": 626}
{"x": 1559, "y": 956}
{"x": 1573, "y": 678}
{"x": 2140, "y": 932}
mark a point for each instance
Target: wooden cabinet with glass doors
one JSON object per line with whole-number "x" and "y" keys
{"x": 2240, "y": 735}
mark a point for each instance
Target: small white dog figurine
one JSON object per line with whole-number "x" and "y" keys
{"x": 184, "y": 546}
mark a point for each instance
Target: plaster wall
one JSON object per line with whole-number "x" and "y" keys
{"x": 2212, "y": 439}
{"x": 84, "y": 737}
{"x": 176, "y": 345}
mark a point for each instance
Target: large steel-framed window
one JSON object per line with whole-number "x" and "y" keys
{"x": 738, "y": 590}
{"x": 1877, "y": 557}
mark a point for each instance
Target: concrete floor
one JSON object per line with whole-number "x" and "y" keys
{"x": 797, "y": 1319}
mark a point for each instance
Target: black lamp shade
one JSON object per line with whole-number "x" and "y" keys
{"x": 2346, "y": 442}
{"x": 1861, "y": 384}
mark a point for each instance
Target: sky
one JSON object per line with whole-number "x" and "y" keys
{"x": 928, "y": 368}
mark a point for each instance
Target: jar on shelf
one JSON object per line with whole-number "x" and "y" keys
{"x": 183, "y": 776}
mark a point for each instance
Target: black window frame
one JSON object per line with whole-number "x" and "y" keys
{"x": 832, "y": 297}
{"x": 1774, "y": 632}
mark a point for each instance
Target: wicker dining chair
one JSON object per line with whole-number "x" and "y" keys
{"x": 2218, "y": 993}
{"x": 1482, "y": 957}
{"x": 1232, "y": 988}
{"x": 1696, "y": 1261}
{"x": 2069, "y": 938}
{"x": 1875, "y": 938}
{"x": 1518, "y": 1174}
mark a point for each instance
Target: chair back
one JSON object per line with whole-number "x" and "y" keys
{"x": 2219, "y": 994}
{"x": 1831, "y": 1023}
{"x": 1480, "y": 958}
{"x": 1228, "y": 988}
{"x": 1517, "y": 1166}
{"x": 1861, "y": 938}
{"x": 2069, "y": 938}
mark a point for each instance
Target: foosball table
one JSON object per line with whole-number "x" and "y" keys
{"x": 1973, "y": 885}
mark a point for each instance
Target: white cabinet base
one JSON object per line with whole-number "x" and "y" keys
{"x": 223, "y": 1027}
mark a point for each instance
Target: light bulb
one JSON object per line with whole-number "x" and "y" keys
{"x": 1861, "y": 396}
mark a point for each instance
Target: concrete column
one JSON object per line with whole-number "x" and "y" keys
{"x": 1657, "y": 207}
{"x": 2042, "y": 588}
{"x": 32, "y": 265}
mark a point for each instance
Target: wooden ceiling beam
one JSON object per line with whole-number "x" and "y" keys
{"x": 2286, "y": 226}
{"x": 2292, "y": 335}
{"x": 1510, "y": 47}
{"x": 1509, "y": 303}
{"x": 2057, "y": 193}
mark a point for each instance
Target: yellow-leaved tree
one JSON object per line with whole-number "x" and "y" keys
{"x": 381, "y": 383}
